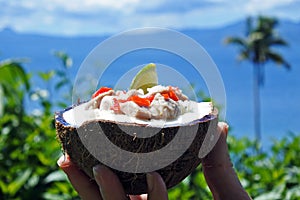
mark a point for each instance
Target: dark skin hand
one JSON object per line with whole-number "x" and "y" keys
{"x": 217, "y": 167}
{"x": 219, "y": 173}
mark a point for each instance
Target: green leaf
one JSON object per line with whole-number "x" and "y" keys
{"x": 275, "y": 194}
{"x": 62, "y": 104}
{"x": 65, "y": 58}
{"x": 55, "y": 177}
{"x": 43, "y": 158}
{"x": 10, "y": 71}
{"x": 61, "y": 83}
{"x": 293, "y": 193}
{"x": 15, "y": 185}
{"x": 3, "y": 187}
{"x": 1, "y": 101}
{"x": 46, "y": 76}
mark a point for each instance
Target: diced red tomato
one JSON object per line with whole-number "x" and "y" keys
{"x": 173, "y": 95}
{"x": 150, "y": 98}
{"x": 100, "y": 91}
{"x": 140, "y": 101}
{"x": 170, "y": 95}
{"x": 165, "y": 95}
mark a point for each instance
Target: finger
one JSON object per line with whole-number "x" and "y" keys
{"x": 109, "y": 184}
{"x": 219, "y": 155}
{"x": 156, "y": 187}
{"x": 219, "y": 174}
{"x": 86, "y": 188}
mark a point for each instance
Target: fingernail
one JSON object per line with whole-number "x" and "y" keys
{"x": 150, "y": 181}
{"x": 226, "y": 127}
{"x": 97, "y": 173}
{"x": 63, "y": 161}
{"x": 223, "y": 127}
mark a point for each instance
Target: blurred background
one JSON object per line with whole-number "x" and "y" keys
{"x": 255, "y": 45}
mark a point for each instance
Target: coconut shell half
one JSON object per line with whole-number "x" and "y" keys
{"x": 135, "y": 183}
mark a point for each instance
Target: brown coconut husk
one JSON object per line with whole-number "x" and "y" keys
{"x": 135, "y": 183}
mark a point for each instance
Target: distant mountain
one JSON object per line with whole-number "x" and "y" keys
{"x": 13, "y": 44}
{"x": 280, "y": 95}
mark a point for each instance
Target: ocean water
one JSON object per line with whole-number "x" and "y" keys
{"x": 280, "y": 95}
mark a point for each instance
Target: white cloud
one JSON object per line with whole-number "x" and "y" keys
{"x": 255, "y": 6}
{"x": 94, "y": 16}
{"x": 90, "y": 5}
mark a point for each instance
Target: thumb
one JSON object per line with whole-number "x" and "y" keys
{"x": 219, "y": 155}
{"x": 156, "y": 187}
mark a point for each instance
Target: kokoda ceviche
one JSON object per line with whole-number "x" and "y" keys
{"x": 160, "y": 106}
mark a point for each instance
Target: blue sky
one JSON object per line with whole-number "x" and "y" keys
{"x": 91, "y": 17}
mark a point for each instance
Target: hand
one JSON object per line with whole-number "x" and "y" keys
{"x": 219, "y": 173}
{"x": 107, "y": 185}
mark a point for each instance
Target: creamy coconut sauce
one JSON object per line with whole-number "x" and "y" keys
{"x": 161, "y": 106}
{"x": 78, "y": 115}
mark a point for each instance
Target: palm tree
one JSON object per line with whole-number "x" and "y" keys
{"x": 256, "y": 47}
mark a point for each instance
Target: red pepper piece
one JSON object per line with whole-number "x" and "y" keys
{"x": 165, "y": 95}
{"x": 173, "y": 95}
{"x": 100, "y": 91}
{"x": 170, "y": 95}
{"x": 150, "y": 98}
{"x": 140, "y": 101}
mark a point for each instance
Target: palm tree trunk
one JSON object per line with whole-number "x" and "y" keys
{"x": 256, "y": 97}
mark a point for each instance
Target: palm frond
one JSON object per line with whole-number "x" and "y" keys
{"x": 277, "y": 41}
{"x": 236, "y": 40}
{"x": 278, "y": 59}
{"x": 257, "y": 45}
{"x": 244, "y": 55}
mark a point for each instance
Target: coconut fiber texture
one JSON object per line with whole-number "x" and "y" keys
{"x": 135, "y": 183}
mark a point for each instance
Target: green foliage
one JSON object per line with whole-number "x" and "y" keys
{"x": 27, "y": 140}
{"x": 29, "y": 149}
{"x": 272, "y": 174}
{"x": 13, "y": 82}
{"x": 193, "y": 187}
{"x": 67, "y": 61}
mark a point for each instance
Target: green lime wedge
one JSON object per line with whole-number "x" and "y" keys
{"x": 145, "y": 78}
